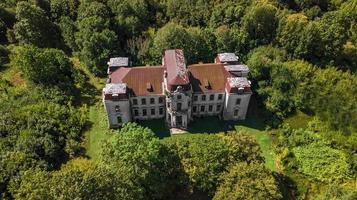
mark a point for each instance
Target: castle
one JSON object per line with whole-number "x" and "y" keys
{"x": 175, "y": 92}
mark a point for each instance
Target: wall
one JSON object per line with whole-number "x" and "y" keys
{"x": 124, "y": 112}
{"x": 148, "y": 106}
{"x": 214, "y": 103}
{"x": 230, "y": 106}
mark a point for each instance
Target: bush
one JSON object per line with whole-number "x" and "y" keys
{"x": 321, "y": 162}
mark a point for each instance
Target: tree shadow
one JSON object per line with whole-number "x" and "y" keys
{"x": 158, "y": 126}
{"x": 209, "y": 125}
{"x": 86, "y": 93}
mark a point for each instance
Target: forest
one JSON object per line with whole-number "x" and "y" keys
{"x": 54, "y": 140}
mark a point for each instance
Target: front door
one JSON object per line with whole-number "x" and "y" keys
{"x": 178, "y": 121}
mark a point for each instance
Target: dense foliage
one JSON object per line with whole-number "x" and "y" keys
{"x": 302, "y": 56}
{"x": 241, "y": 183}
{"x": 205, "y": 157}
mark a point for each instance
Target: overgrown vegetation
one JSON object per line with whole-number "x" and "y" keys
{"x": 303, "y": 60}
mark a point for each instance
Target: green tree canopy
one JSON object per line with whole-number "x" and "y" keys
{"x": 322, "y": 162}
{"x": 139, "y": 156}
{"x": 34, "y": 27}
{"x": 205, "y": 157}
{"x": 48, "y": 67}
{"x": 248, "y": 181}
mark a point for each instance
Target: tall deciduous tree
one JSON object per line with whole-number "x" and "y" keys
{"x": 34, "y": 27}
{"x": 259, "y": 24}
{"x": 95, "y": 41}
{"x": 136, "y": 151}
{"x": 248, "y": 181}
{"x": 48, "y": 67}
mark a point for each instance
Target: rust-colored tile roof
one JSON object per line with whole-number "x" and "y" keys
{"x": 175, "y": 64}
{"x": 214, "y": 74}
{"x": 137, "y": 79}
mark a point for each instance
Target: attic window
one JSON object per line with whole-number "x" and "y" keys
{"x": 149, "y": 87}
{"x": 206, "y": 84}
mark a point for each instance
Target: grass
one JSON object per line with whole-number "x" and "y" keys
{"x": 256, "y": 128}
{"x": 98, "y": 131}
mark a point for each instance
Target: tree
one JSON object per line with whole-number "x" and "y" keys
{"x": 248, "y": 181}
{"x": 191, "y": 13}
{"x": 259, "y": 24}
{"x": 133, "y": 17}
{"x": 68, "y": 31}
{"x": 47, "y": 67}
{"x": 205, "y": 157}
{"x": 228, "y": 14}
{"x": 33, "y": 27}
{"x": 197, "y": 44}
{"x": 321, "y": 162}
{"x": 79, "y": 179}
{"x": 290, "y": 31}
{"x": 61, "y": 8}
{"x": 243, "y": 147}
{"x": 139, "y": 156}
{"x": 95, "y": 41}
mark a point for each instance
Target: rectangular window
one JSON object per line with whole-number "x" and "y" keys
{"x": 161, "y": 99}
{"x": 144, "y": 112}
{"x": 210, "y": 108}
{"x": 179, "y": 96}
{"x": 168, "y": 105}
{"x": 203, "y": 97}
{"x": 179, "y": 106}
{"x": 218, "y": 108}
{"x": 195, "y": 98}
{"x": 153, "y": 111}
{"x": 136, "y": 113}
{"x": 202, "y": 108}
{"x": 161, "y": 110}
{"x": 220, "y": 96}
{"x": 211, "y": 97}
{"x": 194, "y": 109}
{"x": 152, "y": 101}
{"x": 119, "y": 119}
{"x": 135, "y": 102}
{"x": 143, "y": 101}
{"x": 238, "y": 101}
{"x": 236, "y": 112}
{"x": 117, "y": 109}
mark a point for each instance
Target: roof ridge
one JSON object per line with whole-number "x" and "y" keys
{"x": 150, "y": 66}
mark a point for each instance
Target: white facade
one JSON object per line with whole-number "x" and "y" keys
{"x": 179, "y": 104}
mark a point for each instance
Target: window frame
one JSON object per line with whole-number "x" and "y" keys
{"x": 238, "y": 101}
{"x": 203, "y": 97}
{"x": 135, "y": 102}
{"x": 143, "y": 101}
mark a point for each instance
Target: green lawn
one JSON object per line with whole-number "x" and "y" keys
{"x": 98, "y": 130}
{"x": 256, "y": 127}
